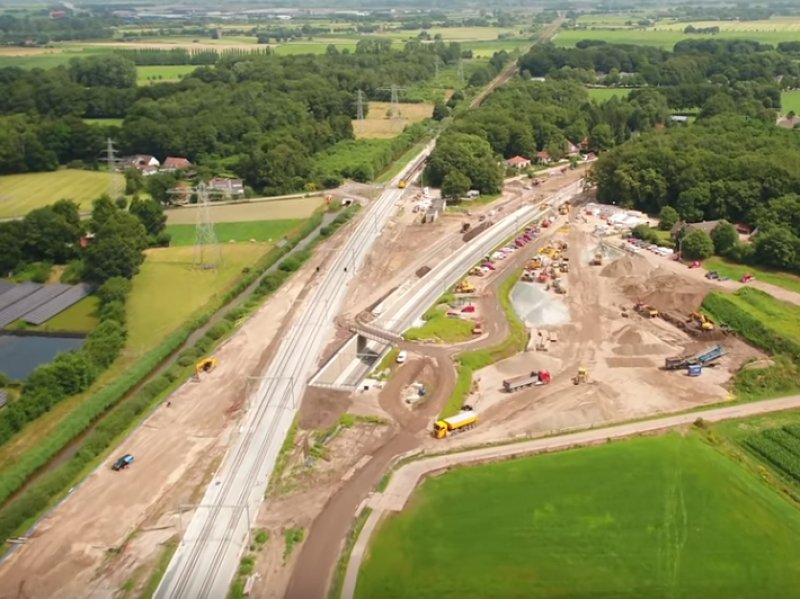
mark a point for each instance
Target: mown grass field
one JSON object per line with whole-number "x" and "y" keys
{"x": 270, "y": 210}
{"x": 19, "y": 194}
{"x": 601, "y": 94}
{"x": 78, "y": 318}
{"x": 147, "y": 75}
{"x": 790, "y": 101}
{"x": 652, "y": 517}
{"x": 442, "y": 328}
{"x": 378, "y": 125}
{"x": 735, "y": 271}
{"x": 168, "y": 290}
{"x": 261, "y": 231}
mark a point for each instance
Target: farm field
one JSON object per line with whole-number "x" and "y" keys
{"x": 296, "y": 208}
{"x": 19, "y": 194}
{"x": 146, "y": 75}
{"x": 651, "y": 517}
{"x": 104, "y": 122}
{"x": 262, "y": 231}
{"x": 790, "y": 101}
{"x": 377, "y": 125}
{"x": 485, "y": 49}
{"x": 665, "y": 37}
{"x": 734, "y": 271}
{"x": 601, "y": 94}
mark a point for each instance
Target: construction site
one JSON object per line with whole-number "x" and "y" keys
{"x": 612, "y": 336}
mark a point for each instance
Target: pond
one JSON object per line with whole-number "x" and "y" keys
{"x": 20, "y": 354}
{"x": 537, "y": 307}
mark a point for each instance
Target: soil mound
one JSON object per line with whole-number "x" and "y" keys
{"x": 632, "y": 342}
{"x": 627, "y": 266}
{"x": 666, "y": 291}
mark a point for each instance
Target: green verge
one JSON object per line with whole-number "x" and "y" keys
{"x": 469, "y": 362}
{"x": 440, "y": 327}
{"x": 766, "y": 323}
{"x": 339, "y": 573}
{"x": 734, "y": 271}
{"x": 17, "y": 515}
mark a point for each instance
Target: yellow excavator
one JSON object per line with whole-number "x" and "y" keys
{"x": 204, "y": 365}
{"x": 704, "y": 321}
{"x": 581, "y": 377}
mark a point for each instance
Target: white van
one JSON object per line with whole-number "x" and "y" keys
{"x": 401, "y": 357}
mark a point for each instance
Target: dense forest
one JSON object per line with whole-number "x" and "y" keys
{"x": 726, "y": 167}
{"x": 525, "y": 117}
{"x": 262, "y": 117}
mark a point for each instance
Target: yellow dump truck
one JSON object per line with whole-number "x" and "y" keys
{"x": 461, "y": 421}
{"x": 465, "y": 287}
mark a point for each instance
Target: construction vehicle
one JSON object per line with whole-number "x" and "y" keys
{"x": 204, "y": 365}
{"x": 558, "y": 287}
{"x": 704, "y": 321}
{"x": 646, "y": 310}
{"x": 534, "y": 263}
{"x": 746, "y": 278}
{"x": 463, "y": 421}
{"x": 564, "y": 208}
{"x": 707, "y": 357}
{"x": 402, "y": 185}
{"x": 581, "y": 377}
{"x": 465, "y": 227}
{"x": 477, "y": 329}
{"x": 597, "y": 260}
{"x": 542, "y": 278}
{"x": 535, "y": 378}
{"x": 465, "y": 287}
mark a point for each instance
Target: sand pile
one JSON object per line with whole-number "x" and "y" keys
{"x": 632, "y": 342}
{"x": 627, "y": 266}
{"x": 666, "y": 291}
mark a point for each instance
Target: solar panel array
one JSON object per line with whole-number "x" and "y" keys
{"x": 58, "y": 304}
{"x": 17, "y": 293}
{"x": 5, "y": 286}
{"x": 30, "y": 302}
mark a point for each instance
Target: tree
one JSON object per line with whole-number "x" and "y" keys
{"x": 601, "y": 137}
{"x": 102, "y": 209}
{"x": 133, "y": 180}
{"x": 440, "y": 110}
{"x": 776, "y": 246}
{"x": 696, "y": 245}
{"x": 11, "y": 238}
{"x": 115, "y": 289}
{"x": 667, "y": 218}
{"x": 724, "y": 236}
{"x": 116, "y": 250}
{"x": 159, "y": 186}
{"x": 150, "y": 213}
{"x": 48, "y": 235}
{"x": 106, "y": 70}
{"x": 455, "y": 184}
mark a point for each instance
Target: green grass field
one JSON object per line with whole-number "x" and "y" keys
{"x": 601, "y": 94}
{"x": 442, "y": 328}
{"x": 655, "y": 517}
{"x": 104, "y": 122}
{"x": 735, "y": 271}
{"x": 263, "y": 231}
{"x": 19, "y": 194}
{"x": 78, "y": 318}
{"x": 790, "y": 101}
{"x": 146, "y": 75}
{"x": 168, "y": 290}
{"x": 665, "y": 38}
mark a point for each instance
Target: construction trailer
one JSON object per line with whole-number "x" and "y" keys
{"x": 707, "y": 357}
{"x": 597, "y": 260}
{"x": 464, "y": 420}
{"x": 535, "y": 378}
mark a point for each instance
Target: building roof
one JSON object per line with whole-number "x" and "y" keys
{"x": 176, "y": 162}
{"x": 543, "y": 155}
{"x": 572, "y": 148}
{"x": 518, "y": 161}
{"x": 706, "y": 225}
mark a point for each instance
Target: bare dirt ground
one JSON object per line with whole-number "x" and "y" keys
{"x": 177, "y": 450}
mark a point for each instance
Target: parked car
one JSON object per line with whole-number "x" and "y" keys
{"x": 401, "y": 357}
{"x": 712, "y": 275}
{"x": 123, "y": 462}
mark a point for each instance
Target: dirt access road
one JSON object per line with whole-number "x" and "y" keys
{"x": 406, "y": 478}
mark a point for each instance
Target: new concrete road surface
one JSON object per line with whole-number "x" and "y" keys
{"x": 399, "y": 312}
{"x": 406, "y": 478}
{"x": 214, "y": 540}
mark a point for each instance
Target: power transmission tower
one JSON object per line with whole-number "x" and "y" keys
{"x": 207, "y": 254}
{"x": 112, "y": 161}
{"x": 394, "y": 107}
{"x": 360, "y": 106}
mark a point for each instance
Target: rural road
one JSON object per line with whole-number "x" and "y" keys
{"x": 406, "y": 478}
{"x": 212, "y": 544}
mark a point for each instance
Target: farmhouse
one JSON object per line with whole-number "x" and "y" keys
{"x": 572, "y": 149}
{"x": 145, "y": 163}
{"x": 518, "y": 162}
{"x": 174, "y": 163}
{"x": 229, "y": 188}
{"x": 543, "y": 157}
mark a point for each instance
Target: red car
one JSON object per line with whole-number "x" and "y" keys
{"x": 695, "y": 264}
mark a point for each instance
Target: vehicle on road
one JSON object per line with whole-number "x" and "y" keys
{"x": 535, "y": 378}
{"x": 465, "y": 420}
{"x": 712, "y": 275}
{"x": 746, "y": 278}
{"x": 695, "y": 264}
{"x": 402, "y": 357}
{"x": 123, "y": 462}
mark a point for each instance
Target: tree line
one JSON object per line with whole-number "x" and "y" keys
{"x": 525, "y": 117}
{"x": 41, "y": 29}
{"x": 728, "y": 167}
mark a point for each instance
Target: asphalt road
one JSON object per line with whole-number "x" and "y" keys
{"x": 405, "y": 480}
{"x": 217, "y": 534}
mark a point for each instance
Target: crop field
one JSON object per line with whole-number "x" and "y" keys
{"x": 146, "y": 75}
{"x": 261, "y": 231}
{"x": 295, "y": 208}
{"x": 485, "y": 49}
{"x": 19, "y": 194}
{"x": 378, "y": 125}
{"x": 651, "y": 517}
{"x": 168, "y": 290}
{"x": 601, "y": 94}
